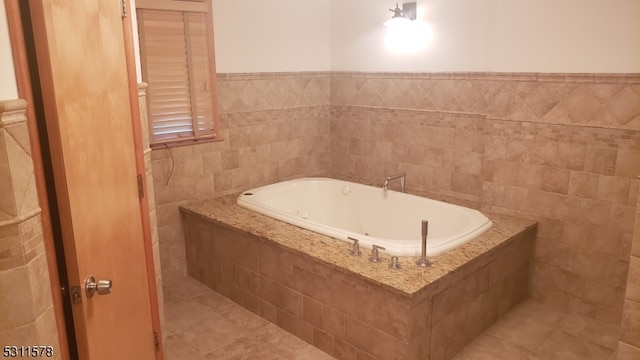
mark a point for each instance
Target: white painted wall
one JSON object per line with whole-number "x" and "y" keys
{"x": 469, "y": 35}
{"x": 567, "y": 36}
{"x": 136, "y": 40}
{"x": 272, "y": 36}
{"x": 494, "y": 35}
{"x": 8, "y": 87}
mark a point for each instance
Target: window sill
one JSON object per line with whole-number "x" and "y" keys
{"x": 178, "y": 143}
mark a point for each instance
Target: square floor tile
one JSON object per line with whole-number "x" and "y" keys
{"x": 561, "y": 345}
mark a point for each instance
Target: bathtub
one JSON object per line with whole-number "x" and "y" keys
{"x": 390, "y": 219}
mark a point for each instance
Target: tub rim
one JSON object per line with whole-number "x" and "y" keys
{"x": 399, "y": 247}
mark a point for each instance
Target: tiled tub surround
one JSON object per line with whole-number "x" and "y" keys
{"x": 497, "y": 139}
{"x": 563, "y": 149}
{"x": 629, "y": 345}
{"x": 275, "y": 127}
{"x": 311, "y": 286}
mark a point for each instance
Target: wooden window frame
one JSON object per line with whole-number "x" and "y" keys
{"x": 188, "y": 6}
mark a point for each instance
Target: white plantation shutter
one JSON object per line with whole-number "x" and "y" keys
{"x": 176, "y": 49}
{"x": 201, "y": 86}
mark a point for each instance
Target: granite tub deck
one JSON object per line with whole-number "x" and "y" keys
{"x": 310, "y": 285}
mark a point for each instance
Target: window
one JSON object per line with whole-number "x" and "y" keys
{"x": 176, "y": 52}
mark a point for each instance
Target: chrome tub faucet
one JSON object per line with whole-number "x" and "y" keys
{"x": 401, "y": 176}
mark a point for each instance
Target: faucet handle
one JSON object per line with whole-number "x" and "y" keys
{"x": 355, "y": 251}
{"x": 374, "y": 253}
{"x": 394, "y": 263}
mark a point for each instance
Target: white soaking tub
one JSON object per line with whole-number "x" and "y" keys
{"x": 390, "y": 219}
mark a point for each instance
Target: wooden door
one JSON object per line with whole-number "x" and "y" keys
{"x": 84, "y": 81}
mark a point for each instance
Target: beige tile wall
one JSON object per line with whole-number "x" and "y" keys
{"x": 576, "y": 184}
{"x": 629, "y": 345}
{"x": 153, "y": 217}
{"x": 561, "y": 148}
{"x": 440, "y": 152}
{"x": 601, "y": 100}
{"x": 275, "y": 126}
{"x": 26, "y": 305}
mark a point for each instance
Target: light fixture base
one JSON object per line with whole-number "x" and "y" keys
{"x": 410, "y": 10}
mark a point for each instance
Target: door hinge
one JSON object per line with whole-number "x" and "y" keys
{"x": 140, "y": 187}
{"x": 156, "y": 340}
{"x": 124, "y": 10}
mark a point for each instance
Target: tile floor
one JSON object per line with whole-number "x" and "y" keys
{"x": 202, "y": 324}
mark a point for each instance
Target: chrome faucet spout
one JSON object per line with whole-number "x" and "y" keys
{"x": 401, "y": 176}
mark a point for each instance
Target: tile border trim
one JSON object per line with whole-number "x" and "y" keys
{"x": 13, "y": 111}
{"x": 617, "y": 78}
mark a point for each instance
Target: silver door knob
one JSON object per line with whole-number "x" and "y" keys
{"x": 102, "y": 287}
